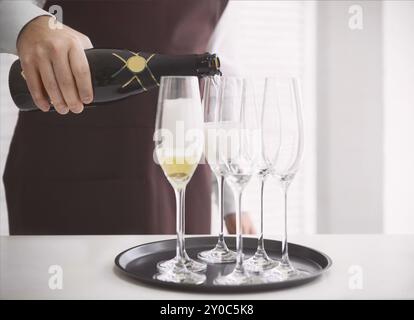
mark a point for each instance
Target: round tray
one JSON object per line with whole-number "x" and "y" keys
{"x": 140, "y": 263}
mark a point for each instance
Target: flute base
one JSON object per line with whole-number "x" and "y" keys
{"x": 190, "y": 264}
{"x": 239, "y": 277}
{"x": 285, "y": 271}
{"x": 180, "y": 274}
{"x": 260, "y": 262}
{"x": 220, "y": 254}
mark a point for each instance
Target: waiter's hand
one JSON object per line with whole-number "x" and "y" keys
{"x": 55, "y": 66}
{"x": 247, "y": 224}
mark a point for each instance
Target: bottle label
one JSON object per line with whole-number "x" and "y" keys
{"x": 136, "y": 64}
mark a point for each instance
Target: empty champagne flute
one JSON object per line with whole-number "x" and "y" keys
{"x": 179, "y": 143}
{"x": 269, "y": 143}
{"x": 214, "y": 126}
{"x": 289, "y": 101}
{"x": 238, "y": 156}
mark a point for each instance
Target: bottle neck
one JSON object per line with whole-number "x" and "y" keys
{"x": 208, "y": 65}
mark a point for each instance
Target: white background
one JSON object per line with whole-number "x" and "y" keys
{"x": 359, "y": 111}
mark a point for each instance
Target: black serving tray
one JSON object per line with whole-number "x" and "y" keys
{"x": 140, "y": 263}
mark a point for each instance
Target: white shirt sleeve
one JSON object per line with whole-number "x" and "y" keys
{"x": 14, "y": 15}
{"x": 223, "y": 42}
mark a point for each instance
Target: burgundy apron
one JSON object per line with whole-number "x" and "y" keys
{"x": 94, "y": 173}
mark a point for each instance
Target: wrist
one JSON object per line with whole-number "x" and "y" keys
{"x": 34, "y": 25}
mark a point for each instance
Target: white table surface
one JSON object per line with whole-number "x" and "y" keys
{"x": 383, "y": 265}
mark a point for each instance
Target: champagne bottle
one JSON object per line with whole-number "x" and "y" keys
{"x": 117, "y": 74}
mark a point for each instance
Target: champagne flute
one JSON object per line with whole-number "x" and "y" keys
{"x": 269, "y": 148}
{"x": 178, "y": 148}
{"x": 213, "y": 126}
{"x": 288, "y": 98}
{"x": 238, "y": 158}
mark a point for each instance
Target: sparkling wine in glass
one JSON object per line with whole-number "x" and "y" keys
{"x": 179, "y": 143}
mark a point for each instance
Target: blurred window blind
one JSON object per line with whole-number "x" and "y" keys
{"x": 274, "y": 37}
